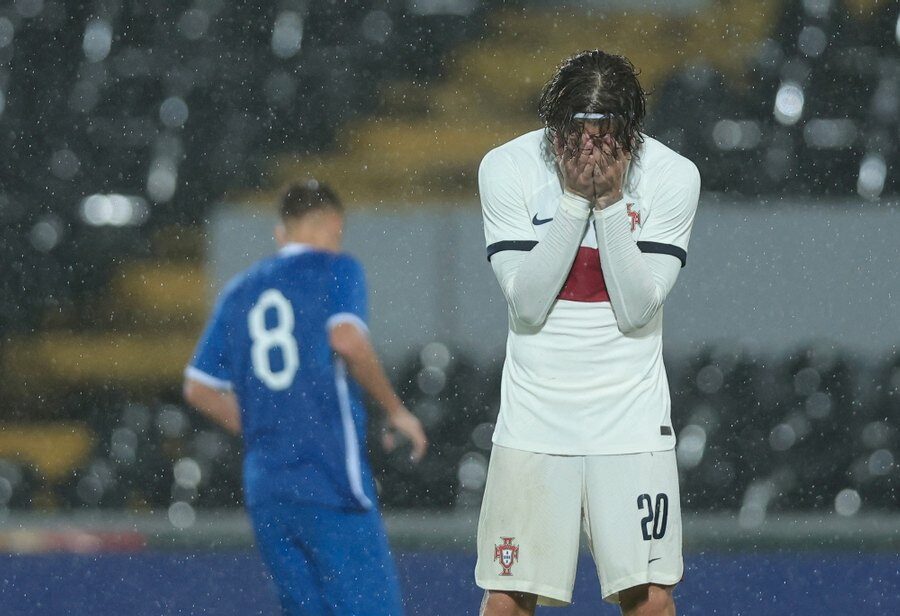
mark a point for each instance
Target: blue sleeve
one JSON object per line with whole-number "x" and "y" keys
{"x": 349, "y": 296}
{"x": 211, "y": 365}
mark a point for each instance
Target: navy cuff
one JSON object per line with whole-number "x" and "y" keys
{"x": 664, "y": 249}
{"x": 523, "y": 245}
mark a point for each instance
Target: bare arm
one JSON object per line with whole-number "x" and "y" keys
{"x": 354, "y": 347}
{"x": 219, "y": 405}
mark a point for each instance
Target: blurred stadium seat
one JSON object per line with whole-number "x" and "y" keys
{"x": 758, "y": 435}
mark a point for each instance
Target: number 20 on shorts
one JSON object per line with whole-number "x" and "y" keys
{"x": 653, "y": 525}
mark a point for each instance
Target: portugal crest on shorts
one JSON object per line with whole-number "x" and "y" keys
{"x": 507, "y": 554}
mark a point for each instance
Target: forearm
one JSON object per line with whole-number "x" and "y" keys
{"x": 219, "y": 406}
{"x": 638, "y": 283}
{"x": 531, "y": 281}
{"x": 366, "y": 369}
{"x": 351, "y": 343}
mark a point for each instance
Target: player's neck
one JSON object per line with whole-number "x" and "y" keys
{"x": 318, "y": 230}
{"x": 314, "y": 241}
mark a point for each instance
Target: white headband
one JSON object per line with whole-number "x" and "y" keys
{"x": 591, "y": 116}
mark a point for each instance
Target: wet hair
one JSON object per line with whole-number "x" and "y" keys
{"x": 302, "y": 198}
{"x": 595, "y": 82}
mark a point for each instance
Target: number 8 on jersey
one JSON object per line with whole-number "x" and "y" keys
{"x": 279, "y": 337}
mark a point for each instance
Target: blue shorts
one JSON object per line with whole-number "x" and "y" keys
{"x": 328, "y": 561}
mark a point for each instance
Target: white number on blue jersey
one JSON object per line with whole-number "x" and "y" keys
{"x": 279, "y": 337}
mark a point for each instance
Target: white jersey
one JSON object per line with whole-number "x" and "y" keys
{"x": 576, "y": 385}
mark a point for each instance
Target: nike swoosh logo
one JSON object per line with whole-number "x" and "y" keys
{"x": 653, "y": 560}
{"x": 538, "y": 221}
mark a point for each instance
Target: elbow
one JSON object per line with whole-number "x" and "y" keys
{"x": 528, "y": 313}
{"x": 343, "y": 350}
{"x": 629, "y": 324}
{"x": 348, "y": 343}
{"x": 190, "y": 393}
{"x": 349, "y": 356}
{"x": 530, "y": 318}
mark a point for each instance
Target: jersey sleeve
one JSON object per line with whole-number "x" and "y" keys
{"x": 672, "y": 211}
{"x": 211, "y": 364}
{"x": 507, "y": 225}
{"x": 349, "y": 302}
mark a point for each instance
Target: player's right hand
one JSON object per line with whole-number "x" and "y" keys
{"x": 576, "y": 159}
{"x": 407, "y": 424}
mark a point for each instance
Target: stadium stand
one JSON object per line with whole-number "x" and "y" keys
{"x": 815, "y": 431}
{"x": 814, "y": 110}
{"x": 153, "y": 111}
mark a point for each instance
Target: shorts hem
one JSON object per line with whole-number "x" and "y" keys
{"x": 534, "y": 447}
{"x": 611, "y": 591}
{"x": 547, "y": 595}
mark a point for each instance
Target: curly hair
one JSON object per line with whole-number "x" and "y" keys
{"x": 595, "y": 82}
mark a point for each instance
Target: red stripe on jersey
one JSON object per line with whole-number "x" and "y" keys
{"x": 585, "y": 282}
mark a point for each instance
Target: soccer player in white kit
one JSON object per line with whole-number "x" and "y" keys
{"x": 587, "y": 222}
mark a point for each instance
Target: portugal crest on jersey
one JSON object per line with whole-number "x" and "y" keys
{"x": 507, "y": 554}
{"x": 634, "y": 216}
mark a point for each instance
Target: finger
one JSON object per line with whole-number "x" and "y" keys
{"x": 604, "y": 161}
{"x": 559, "y": 146}
{"x": 586, "y": 144}
{"x": 583, "y": 167}
{"x": 604, "y": 176}
{"x": 614, "y": 150}
{"x": 568, "y": 156}
{"x": 565, "y": 165}
{"x": 566, "y": 151}
{"x": 622, "y": 160}
{"x": 420, "y": 445}
{"x": 575, "y": 167}
{"x": 586, "y": 174}
{"x": 613, "y": 147}
{"x": 586, "y": 158}
{"x": 388, "y": 441}
{"x": 569, "y": 167}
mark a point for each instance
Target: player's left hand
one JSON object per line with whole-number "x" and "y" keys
{"x": 407, "y": 424}
{"x": 576, "y": 160}
{"x": 609, "y": 172}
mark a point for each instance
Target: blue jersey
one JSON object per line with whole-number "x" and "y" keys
{"x": 302, "y": 419}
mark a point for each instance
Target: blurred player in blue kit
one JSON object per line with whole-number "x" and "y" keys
{"x": 273, "y": 365}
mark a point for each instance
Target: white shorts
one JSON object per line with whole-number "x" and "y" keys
{"x": 535, "y": 504}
